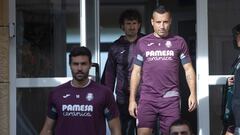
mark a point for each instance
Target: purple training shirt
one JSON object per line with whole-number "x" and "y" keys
{"x": 160, "y": 59}
{"x": 81, "y": 110}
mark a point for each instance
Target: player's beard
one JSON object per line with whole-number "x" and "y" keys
{"x": 80, "y": 76}
{"x": 131, "y": 33}
{"x": 163, "y": 33}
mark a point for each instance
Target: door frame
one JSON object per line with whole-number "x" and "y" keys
{"x": 202, "y": 73}
{"x": 204, "y": 80}
{"x": 16, "y": 83}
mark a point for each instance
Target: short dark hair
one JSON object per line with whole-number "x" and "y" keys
{"x": 130, "y": 14}
{"x": 235, "y": 33}
{"x": 161, "y": 10}
{"x": 80, "y": 51}
{"x": 180, "y": 122}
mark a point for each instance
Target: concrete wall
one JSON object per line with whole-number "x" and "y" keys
{"x": 4, "y": 68}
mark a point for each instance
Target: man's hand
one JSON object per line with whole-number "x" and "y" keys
{"x": 192, "y": 102}
{"x": 230, "y": 81}
{"x": 132, "y": 108}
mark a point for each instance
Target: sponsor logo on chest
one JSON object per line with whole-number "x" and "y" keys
{"x": 77, "y": 109}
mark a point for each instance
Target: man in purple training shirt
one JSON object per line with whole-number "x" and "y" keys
{"x": 156, "y": 72}
{"x": 81, "y": 106}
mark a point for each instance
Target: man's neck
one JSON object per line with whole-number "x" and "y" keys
{"x": 160, "y": 36}
{"x": 80, "y": 84}
{"x": 131, "y": 39}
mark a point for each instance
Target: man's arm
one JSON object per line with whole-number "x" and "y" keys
{"x": 191, "y": 80}
{"x": 109, "y": 72}
{"x": 114, "y": 126}
{"x": 47, "y": 127}
{"x": 134, "y": 83}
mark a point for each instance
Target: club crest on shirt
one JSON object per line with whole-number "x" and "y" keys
{"x": 168, "y": 44}
{"x": 89, "y": 97}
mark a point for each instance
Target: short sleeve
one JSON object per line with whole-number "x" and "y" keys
{"x": 111, "y": 109}
{"x": 138, "y": 57}
{"x": 52, "y": 111}
{"x": 184, "y": 54}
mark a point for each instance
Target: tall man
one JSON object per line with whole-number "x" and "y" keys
{"x": 156, "y": 72}
{"x": 81, "y": 106}
{"x": 119, "y": 65}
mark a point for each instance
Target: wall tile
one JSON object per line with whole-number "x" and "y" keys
{"x": 4, "y": 107}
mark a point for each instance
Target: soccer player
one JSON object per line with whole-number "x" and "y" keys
{"x": 156, "y": 73}
{"x": 81, "y": 106}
